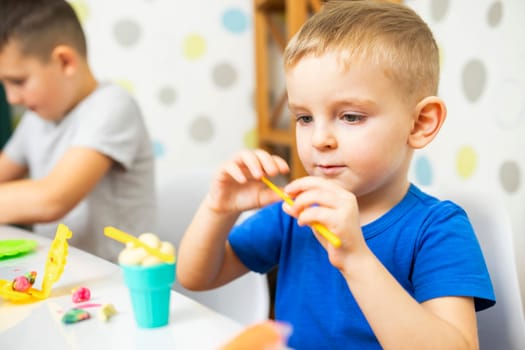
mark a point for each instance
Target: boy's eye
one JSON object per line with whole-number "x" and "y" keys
{"x": 304, "y": 119}
{"x": 352, "y": 118}
{"x": 16, "y": 82}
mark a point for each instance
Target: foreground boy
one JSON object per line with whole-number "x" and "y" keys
{"x": 362, "y": 78}
{"x": 81, "y": 154}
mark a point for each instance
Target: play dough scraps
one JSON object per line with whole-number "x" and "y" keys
{"x": 24, "y": 282}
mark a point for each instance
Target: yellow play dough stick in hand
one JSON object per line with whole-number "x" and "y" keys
{"x": 326, "y": 233}
{"x": 124, "y": 237}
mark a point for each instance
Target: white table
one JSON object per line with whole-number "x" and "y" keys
{"x": 38, "y": 325}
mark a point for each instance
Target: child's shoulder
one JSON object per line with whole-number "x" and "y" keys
{"x": 111, "y": 98}
{"x": 428, "y": 198}
{"x": 111, "y": 90}
{"x": 431, "y": 206}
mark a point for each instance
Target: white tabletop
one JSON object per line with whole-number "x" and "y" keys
{"x": 38, "y": 325}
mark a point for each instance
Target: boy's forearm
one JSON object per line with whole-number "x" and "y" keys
{"x": 397, "y": 319}
{"x": 27, "y": 202}
{"x": 50, "y": 198}
{"x": 10, "y": 170}
{"x": 202, "y": 251}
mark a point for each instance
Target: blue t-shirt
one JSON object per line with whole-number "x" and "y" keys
{"x": 428, "y": 245}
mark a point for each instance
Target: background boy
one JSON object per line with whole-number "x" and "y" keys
{"x": 362, "y": 78}
{"x": 83, "y": 145}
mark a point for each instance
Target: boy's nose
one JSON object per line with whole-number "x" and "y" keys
{"x": 323, "y": 137}
{"x": 13, "y": 97}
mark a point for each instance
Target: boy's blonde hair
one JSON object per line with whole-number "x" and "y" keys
{"x": 38, "y": 26}
{"x": 388, "y": 35}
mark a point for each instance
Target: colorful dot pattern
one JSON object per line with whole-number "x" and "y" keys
{"x": 194, "y": 47}
{"x": 190, "y": 68}
{"x": 479, "y": 81}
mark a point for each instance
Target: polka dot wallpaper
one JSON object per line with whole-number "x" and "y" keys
{"x": 190, "y": 66}
{"x": 483, "y": 84}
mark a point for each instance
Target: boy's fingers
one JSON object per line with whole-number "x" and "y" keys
{"x": 260, "y": 162}
{"x": 267, "y": 162}
{"x": 309, "y": 183}
{"x": 253, "y": 164}
{"x": 235, "y": 172}
{"x": 281, "y": 164}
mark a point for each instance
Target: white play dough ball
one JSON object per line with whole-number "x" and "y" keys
{"x": 150, "y": 239}
{"x": 167, "y": 248}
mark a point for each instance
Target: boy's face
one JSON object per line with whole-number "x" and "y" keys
{"x": 36, "y": 85}
{"x": 351, "y": 124}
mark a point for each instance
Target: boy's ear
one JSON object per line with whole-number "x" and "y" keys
{"x": 66, "y": 57}
{"x": 429, "y": 115}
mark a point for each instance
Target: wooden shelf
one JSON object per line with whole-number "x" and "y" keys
{"x": 270, "y": 5}
{"x": 267, "y": 29}
{"x": 281, "y": 5}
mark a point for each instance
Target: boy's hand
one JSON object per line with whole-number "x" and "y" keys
{"x": 319, "y": 200}
{"x": 237, "y": 186}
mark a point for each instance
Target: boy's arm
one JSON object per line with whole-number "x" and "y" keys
{"x": 50, "y": 198}
{"x": 399, "y": 321}
{"x": 205, "y": 259}
{"x": 10, "y": 170}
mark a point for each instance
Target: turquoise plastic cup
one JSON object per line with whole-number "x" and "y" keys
{"x": 150, "y": 289}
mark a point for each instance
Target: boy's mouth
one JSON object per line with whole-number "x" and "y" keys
{"x": 330, "y": 170}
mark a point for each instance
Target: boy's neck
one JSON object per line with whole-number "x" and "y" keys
{"x": 372, "y": 207}
{"x": 377, "y": 203}
{"x": 86, "y": 85}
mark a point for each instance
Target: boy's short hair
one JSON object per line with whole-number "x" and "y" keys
{"x": 38, "y": 26}
{"x": 389, "y": 35}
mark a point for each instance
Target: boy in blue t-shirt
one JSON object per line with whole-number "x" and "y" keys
{"x": 361, "y": 78}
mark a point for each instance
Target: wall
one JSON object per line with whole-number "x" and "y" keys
{"x": 483, "y": 84}
{"x": 190, "y": 65}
